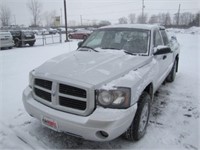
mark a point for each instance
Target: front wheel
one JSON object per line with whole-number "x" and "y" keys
{"x": 138, "y": 127}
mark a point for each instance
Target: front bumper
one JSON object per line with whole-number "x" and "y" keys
{"x": 112, "y": 121}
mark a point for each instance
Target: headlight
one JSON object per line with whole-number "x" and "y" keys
{"x": 31, "y": 79}
{"x": 116, "y": 98}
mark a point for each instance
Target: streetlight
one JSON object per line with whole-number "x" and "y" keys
{"x": 65, "y": 8}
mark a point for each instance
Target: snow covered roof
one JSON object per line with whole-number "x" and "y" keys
{"x": 135, "y": 26}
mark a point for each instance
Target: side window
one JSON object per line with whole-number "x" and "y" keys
{"x": 165, "y": 37}
{"x": 157, "y": 38}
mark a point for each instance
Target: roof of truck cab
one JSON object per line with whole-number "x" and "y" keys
{"x": 134, "y": 26}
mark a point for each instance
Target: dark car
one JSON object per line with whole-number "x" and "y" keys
{"x": 23, "y": 37}
{"x": 80, "y": 34}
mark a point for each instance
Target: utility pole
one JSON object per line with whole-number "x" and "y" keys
{"x": 14, "y": 19}
{"x": 81, "y": 20}
{"x": 61, "y": 23}
{"x": 143, "y": 11}
{"x": 178, "y": 14}
{"x": 65, "y": 8}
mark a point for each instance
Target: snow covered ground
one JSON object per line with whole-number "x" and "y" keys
{"x": 174, "y": 121}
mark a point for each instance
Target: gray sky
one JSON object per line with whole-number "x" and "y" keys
{"x": 100, "y": 9}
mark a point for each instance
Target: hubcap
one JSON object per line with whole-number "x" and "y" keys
{"x": 143, "y": 118}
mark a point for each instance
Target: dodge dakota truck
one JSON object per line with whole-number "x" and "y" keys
{"x": 105, "y": 88}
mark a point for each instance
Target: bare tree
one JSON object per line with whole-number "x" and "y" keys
{"x": 49, "y": 18}
{"x": 196, "y": 20}
{"x": 142, "y": 18}
{"x": 153, "y": 19}
{"x": 123, "y": 20}
{"x": 5, "y": 15}
{"x": 164, "y": 18}
{"x": 131, "y": 18}
{"x": 186, "y": 18}
{"x": 35, "y": 8}
{"x": 168, "y": 19}
{"x": 104, "y": 23}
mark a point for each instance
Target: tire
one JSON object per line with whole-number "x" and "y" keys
{"x": 18, "y": 43}
{"x": 138, "y": 127}
{"x": 70, "y": 36}
{"x": 84, "y": 37}
{"x": 172, "y": 75}
{"x": 10, "y": 47}
{"x": 31, "y": 44}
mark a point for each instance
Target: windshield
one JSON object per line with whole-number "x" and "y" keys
{"x": 135, "y": 41}
{"x": 27, "y": 33}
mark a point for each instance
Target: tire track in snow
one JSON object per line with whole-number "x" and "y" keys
{"x": 22, "y": 138}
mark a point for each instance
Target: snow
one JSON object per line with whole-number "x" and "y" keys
{"x": 174, "y": 120}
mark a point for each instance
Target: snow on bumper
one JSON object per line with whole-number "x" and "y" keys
{"x": 102, "y": 125}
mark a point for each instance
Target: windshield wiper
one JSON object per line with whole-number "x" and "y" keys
{"x": 110, "y": 48}
{"x": 127, "y": 52}
{"x": 88, "y": 48}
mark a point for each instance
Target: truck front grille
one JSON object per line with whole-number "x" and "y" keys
{"x": 43, "y": 83}
{"x": 70, "y": 90}
{"x": 60, "y": 96}
{"x": 42, "y": 94}
{"x": 72, "y": 103}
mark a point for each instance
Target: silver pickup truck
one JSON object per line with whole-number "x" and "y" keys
{"x": 104, "y": 89}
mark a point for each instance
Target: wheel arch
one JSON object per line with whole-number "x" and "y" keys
{"x": 149, "y": 90}
{"x": 177, "y": 59}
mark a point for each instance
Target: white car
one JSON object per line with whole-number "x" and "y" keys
{"x": 6, "y": 40}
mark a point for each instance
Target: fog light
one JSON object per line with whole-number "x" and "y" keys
{"x": 104, "y": 134}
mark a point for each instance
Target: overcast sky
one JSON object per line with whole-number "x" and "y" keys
{"x": 99, "y": 9}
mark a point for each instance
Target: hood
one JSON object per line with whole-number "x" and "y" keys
{"x": 93, "y": 67}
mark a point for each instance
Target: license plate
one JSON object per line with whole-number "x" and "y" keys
{"x": 50, "y": 123}
{"x": 28, "y": 35}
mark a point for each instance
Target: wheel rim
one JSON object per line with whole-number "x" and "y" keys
{"x": 144, "y": 118}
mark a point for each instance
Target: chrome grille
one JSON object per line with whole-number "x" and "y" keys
{"x": 72, "y": 103}
{"x": 70, "y": 90}
{"x": 43, "y": 83}
{"x": 42, "y": 94}
{"x": 60, "y": 96}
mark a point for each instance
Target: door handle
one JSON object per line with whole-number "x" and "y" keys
{"x": 164, "y": 57}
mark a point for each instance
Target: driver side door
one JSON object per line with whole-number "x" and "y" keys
{"x": 163, "y": 60}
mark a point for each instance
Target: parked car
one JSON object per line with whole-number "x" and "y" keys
{"x": 61, "y": 30}
{"x": 45, "y": 32}
{"x": 6, "y": 40}
{"x": 52, "y": 31}
{"x": 104, "y": 89}
{"x": 79, "y": 34}
{"x": 23, "y": 37}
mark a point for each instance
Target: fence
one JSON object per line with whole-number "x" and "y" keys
{"x": 42, "y": 40}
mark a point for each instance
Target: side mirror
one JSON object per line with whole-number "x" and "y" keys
{"x": 159, "y": 50}
{"x": 80, "y": 43}
{"x": 173, "y": 37}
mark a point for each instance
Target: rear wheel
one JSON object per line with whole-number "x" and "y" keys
{"x": 70, "y": 36}
{"x": 31, "y": 43}
{"x": 18, "y": 43}
{"x": 172, "y": 75}
{"x": 138, "y": 127}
